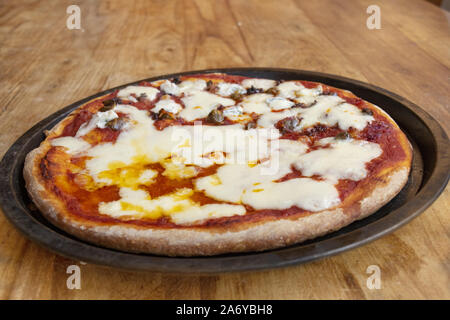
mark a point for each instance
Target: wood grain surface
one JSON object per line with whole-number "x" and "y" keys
{"x": 44, "y": 66}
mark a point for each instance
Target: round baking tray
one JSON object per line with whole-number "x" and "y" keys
{"x": 428, "y": 178}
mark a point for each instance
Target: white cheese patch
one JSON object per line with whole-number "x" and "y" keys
{"x": 104, "y": 117}
{"x": 167, "y": 104}
{"x": 138, "y": 203}
{"x": 263, "y": 84}
{"x": 343, "y": 159}
{"x": 72, "y": 144}
{"x": 328, "y": 110}
{"x": 318, "y": 112}
{"x": 288, "y": 89}
{"x": 200, "y": 103}
{"x": 227, "y": 89}
{"x": 279, "y": 103}
{"x": 190, "y": 86}
{"x": 314, "y": 92}
{"x": 140, "y": 138}
{"x": 268, "y": 120}
{"x": 209, "y": 211}
{"x": 347, "y": 115}
{"x": 99, "y": 120}
{"x": 233, "y": 111}
{"x": 147, "y": 176}
{"x": 256, "y": 103}
{"x": 308, "y": 96}
{"x": 331, "y": 110}
{"x": 232, "y": 181}
{"x": 182, "y": 210}
{"x": 150, "y": 92}
{"x": 303, "y": 193}
{"x": 170, "y": 88}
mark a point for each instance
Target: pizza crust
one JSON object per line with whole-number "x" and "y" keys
{"x": 211, "y": 241}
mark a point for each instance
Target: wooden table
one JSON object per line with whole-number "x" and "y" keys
{"x": 44, "y": 66}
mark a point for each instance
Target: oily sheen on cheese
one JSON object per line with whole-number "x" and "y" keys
{"x": 166, "y": 141}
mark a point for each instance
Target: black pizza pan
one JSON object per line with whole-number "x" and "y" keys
{"x": 428, "y": 178}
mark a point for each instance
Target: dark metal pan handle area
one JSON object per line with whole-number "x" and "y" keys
{"x": 428, "y": 178}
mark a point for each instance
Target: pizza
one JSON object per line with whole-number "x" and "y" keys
{"x": 215, "y": 163}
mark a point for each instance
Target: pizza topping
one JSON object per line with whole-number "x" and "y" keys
{"x": 344, "y": 135}
{"x": 192, "y": 86}
{"x": 115, "y": 124}
{"x": 278, "y": 103}
{"x": 256, "y": 103}
{"x": 178, "y": 206}
{"x": 263, "y": 84}
{"x": 367, "y": 111}
{"x": 215, "y": 116}
{"x": 176, "y": 80}
{"x": 253, "y": 90}
{"x": 108, "y": 104}
{"x": 342, "y": 159}
{"x": 165, "y": 115}
{"x": 200, "y": 104}
{"x": 228, "y": 89}
{"x": 98, "y": 120}
{"x": 233, "y": 111}
{"x": 170, "y": 88}
{"x": 288, "y": 89}
{"x": 288, "y": 124}
{"x": 302, "y": 193}
{"x": 127, "y": 92}
{"x": 72, "y": 145}
{"x": 167, "y": 104}
{"x": 307, "y": 97}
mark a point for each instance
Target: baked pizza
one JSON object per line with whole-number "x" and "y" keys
{"x": 210, "y": 164}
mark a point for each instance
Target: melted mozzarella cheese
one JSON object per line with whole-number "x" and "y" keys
{"x": 232, "y": 181}
{"x": 256, "y": 103}
{"x": 201, "y": 103}
{"x": 167, "y": 104}
{"x": 263, "y": 84}
{"x": 347, "y": 115}
{"x": 303, "y": 193}
{"x": 269, "y": 119}
{"x": 278, "y": 103}
{"x": 182, "y": 210}
{"x": 72, "y": 145}
{"x": 343, "y": 159}
{"x": 227, "y": 89}
{"x": 308, "y": 96}
{"x": 150, "y": 92}
{"x": 208, "y": 211}
{"x": 190, "y": 86}
{"x": 330, "y": 110}
{"x": 170, "y": 88}
{"x": 288, "y": 89}
{"x": 99, "y": 120}
{"x": 233, "y": 111}
{"x": 138, "y": 203}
